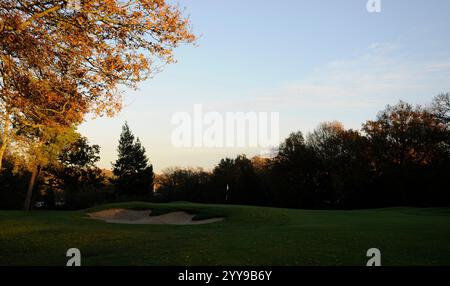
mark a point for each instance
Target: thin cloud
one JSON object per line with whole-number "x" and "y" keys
{"x": 438, "y": 67}
{"x": 369, "y": 80}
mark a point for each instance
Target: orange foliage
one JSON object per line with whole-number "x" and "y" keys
{"x": 58, "y": 64}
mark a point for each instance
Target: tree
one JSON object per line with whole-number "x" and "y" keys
{"x": 43, "y": 151}
{"x": 440, "y": 107}
{"x": 133, "y": 174}
{"x": 294, "y": 174}
{"x": 240, "y": 177}
{"x": 408, "y": 148}
{"x": 292, "y": 146}
{"x": 345, "y": 169}
{"x": 180, "y": 184}
{"x": 75, "y": 174}
{"x": 13, "y": 181}
{"x": 324, "y": 140}
{"x": 57, "y": 64}
{"x": 404, "y": 134}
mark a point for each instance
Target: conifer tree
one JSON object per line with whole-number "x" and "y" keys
{"x": 132, "y": 171}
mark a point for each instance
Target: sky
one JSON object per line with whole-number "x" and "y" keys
{"x": 310, "y": 61}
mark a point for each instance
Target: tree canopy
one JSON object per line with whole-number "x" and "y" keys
{"x": 57, "y": 64}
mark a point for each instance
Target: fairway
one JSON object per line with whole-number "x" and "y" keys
{"x": 246, "y": 236}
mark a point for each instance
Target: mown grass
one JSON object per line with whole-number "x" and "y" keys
{"x": 247, "y": 236}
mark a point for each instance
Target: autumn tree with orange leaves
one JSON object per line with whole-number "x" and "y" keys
{"x": 58, "y": 64}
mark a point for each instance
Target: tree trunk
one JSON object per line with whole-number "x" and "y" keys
{"x": 28, "y": 198}
{"x": 5, "y": 138}
{"x": 2, "y": 153}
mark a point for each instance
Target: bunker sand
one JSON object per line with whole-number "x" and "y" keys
{"x": 143, "y": 217}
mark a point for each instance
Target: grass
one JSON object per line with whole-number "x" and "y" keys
{"x": 247, "y": 236}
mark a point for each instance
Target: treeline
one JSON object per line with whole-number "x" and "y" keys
{"x": 400, "y": 158}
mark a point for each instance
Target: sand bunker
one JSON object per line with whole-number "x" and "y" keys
{"x": 143, "y": 217}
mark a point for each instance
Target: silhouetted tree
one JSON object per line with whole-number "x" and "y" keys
{"x": 13, "y": 182}
{"x": 407, "y": 143}
{"x": 242, "y": 181}
{"x": 345, "y": 170}
{"x": 76, "y": 176}
{"x": 184, "y": 184}
{"x": 293, "y": 174}
{"x": 248, "y": 188}
{"x": 132, "y": 171}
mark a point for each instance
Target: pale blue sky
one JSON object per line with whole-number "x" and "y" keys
{"x": 311, "y": 61}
